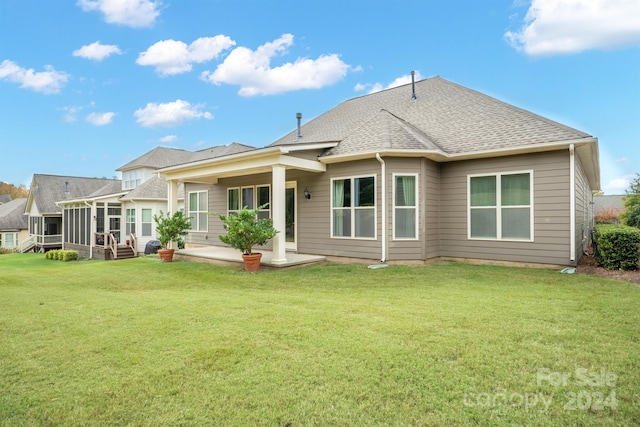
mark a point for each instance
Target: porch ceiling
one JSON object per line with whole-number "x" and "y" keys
{"x": 259, "y": 161}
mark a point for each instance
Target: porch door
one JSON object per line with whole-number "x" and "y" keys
{"x": 291, "y": 226}
{"x": 114, "y": 215}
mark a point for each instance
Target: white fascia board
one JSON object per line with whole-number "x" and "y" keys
{"x": 440, "y": 156}
{"x": 240, "y": 165}
{"x": 311, "y": 146}
{"x": 91, "y": 199}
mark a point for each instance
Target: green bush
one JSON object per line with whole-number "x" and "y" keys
{"x": 633, "y": 217}
{"x": 61, "y": 255}
{"x": 618, "y": 246}
{"x": 69, "y": 255}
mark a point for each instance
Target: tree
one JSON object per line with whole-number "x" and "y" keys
{"x": 13, "y": 191}
{"x": 632, "y": 198}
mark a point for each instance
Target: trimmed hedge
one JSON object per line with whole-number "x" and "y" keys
{"x": 618, "y": 246}
{"x": 61, "y": 255}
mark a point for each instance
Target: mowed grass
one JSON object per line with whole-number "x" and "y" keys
{"x": 140, "y": 342}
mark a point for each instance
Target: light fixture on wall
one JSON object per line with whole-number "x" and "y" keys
{"x": 307, "y": 195}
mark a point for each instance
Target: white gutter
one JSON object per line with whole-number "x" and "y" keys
{"x": 91, "y": 236}
{"x": 383, "y": 184}
{"x": 572, "y": 202}
{"x": 439, "y": 155}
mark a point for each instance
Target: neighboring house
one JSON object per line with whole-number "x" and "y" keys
{"x": 14, "y": 226}
{"x": 44, "y": 210}
{"x": 4, "y": 198}
{"x": 417, "y": 172}
{"x": 123, "y": 210}
{"x": 608, "y": 208}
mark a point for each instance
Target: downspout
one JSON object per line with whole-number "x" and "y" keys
{"x": 91, "y": 236}
{"x": 383, "y": 172}
{"x": 572, "y": 202}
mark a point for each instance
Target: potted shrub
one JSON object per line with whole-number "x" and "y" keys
{"x": 170, "y": 228}
{"x": 244, "y": 231}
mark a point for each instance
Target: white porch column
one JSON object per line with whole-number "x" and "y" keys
{"x": 278, "y": 213}
{"x": 172, "y": 196}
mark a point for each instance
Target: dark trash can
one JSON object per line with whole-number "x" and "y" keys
{"x": 152, "y": 247}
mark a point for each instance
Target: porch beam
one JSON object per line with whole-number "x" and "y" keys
{"x": 278, "y": 211}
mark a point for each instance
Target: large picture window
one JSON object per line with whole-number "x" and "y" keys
{"x": 198, "y": 208}
{"x": 405, "y": 207}
{"x": 353, "y": 207}
{"x": 500, "y": 206}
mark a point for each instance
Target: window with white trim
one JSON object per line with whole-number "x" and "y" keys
{"x": 10, "y": 240}
{"x": 132, "y": 179}
{"x": 198, "y": 210}
{"x": 146, "y": 222}
{"x": 254, "y": 197}
{"x": 130, "y": 221}
{"x": 501, "y": 206}
{"x": 353, "y": 207}
{"x": 405, "y": 207}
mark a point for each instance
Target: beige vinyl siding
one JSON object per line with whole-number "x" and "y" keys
{"x": 551, "y": 231}
{"x": 217, "y": 200}
{"x": 583, "y": 208}
{"x": 430, "y": 206}
{"x": 314, "y": 216}
{"x": 405, "y": 249}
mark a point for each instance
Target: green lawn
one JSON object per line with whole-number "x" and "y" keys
{"x": 140, "y": 342}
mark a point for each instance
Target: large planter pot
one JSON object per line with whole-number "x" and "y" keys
{"x": 166, "y": 255}
{"x": 252, "y": 262}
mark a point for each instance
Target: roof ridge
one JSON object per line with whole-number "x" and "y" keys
{"x": 417, "y": 133}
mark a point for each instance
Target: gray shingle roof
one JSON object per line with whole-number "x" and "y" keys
{"x": 162, "y": 157}
{"x": 609, "y": 201}
{"x": 445, "y": 115}
{"x": 12, "y": 217}
{"x": 4, "y": 198}
{"x": 152, "y": 189}
{"x": 46, "y": 190}
{"x": 157, "y": 158}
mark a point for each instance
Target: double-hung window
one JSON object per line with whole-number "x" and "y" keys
{"x": 501, "y": 206}
{"x": 146, "y": 222}
{"x": 405, "y": 207}
{"x": 353, "y": 207}
{"x": 198, "y": 208}
{"x": 130, "y": 221}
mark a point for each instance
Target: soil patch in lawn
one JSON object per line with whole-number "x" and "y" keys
{"x": 588, "y": 265}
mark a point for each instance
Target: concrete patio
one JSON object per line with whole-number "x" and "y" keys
{"x": 226, "y": 255}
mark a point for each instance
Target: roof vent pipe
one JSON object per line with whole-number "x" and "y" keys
{"x": 299, "y": 117}
{"x": 413, "y": 86}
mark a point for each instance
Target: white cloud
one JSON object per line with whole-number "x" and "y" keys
{"x": 100, "y": 119}
{"x": 132, "y": 13}
{"x": 572, "y": 26}
{"x": 377, "y": 87}
{"x": 618, "y": 185}
{"x": 175, "y": 57}
{"x": 97, "y": 51}
{"x": 169, "y": 139}
{"x": 252, "y": 71}
{"x": 622, "y": 160}
{"x": 170, "y": 114}
{"x": 48, "y": 81}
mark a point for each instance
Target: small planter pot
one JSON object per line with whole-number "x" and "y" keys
{"x": 252, "y": 262}
{"x": 166, "y": 255}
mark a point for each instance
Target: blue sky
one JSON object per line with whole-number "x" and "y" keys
{"x": 88, "y": 85}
